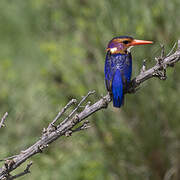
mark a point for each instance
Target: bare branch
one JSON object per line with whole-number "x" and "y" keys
{"x": 2, "y": 124}
{"x": 67, "y": 127}
{"x": 50, "y": 136}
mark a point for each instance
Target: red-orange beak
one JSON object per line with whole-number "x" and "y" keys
{"x": 140, "y": 42}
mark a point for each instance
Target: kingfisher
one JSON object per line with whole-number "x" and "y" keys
{"x": 118, "y": 66}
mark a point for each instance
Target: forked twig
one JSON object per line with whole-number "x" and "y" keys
{"x": 77, "y": 107}
{"x": 72, "y": 101}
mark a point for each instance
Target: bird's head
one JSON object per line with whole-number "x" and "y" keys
{"x": 123, "y": 44}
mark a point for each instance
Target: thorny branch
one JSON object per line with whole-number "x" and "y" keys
{"x": 67, "y": 127}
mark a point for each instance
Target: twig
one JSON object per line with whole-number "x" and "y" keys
{"x": 77, "y": 107}
{"x": 169, "y": 173}
{"x": 26, "y": 171}
{"x": 73, "y": 101}
{"x": 2, "y": 124}
{"x": 178, "y": 48}
{"x": 66, "y": 127}
{"x": 8, "y": 158}
{"x": 172, "y": 49}
{"x": 84, "y": 126}
{"x": 162, "y": 51}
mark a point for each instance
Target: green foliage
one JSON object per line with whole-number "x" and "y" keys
{"x": 52, "y": 51}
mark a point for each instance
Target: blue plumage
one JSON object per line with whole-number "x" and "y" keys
{"x": 117, "y": 89}
{"x": 118, "y": 69}
{"x": 118, "y": 66}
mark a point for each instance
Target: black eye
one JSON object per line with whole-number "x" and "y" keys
{"x": 125, "y": 42}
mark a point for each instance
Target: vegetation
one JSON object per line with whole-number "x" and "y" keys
{"x": 52, "y": 51}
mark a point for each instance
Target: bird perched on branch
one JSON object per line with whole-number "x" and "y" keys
{"x": 118, "y": 66}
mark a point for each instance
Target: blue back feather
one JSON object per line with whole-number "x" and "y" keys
{"x": 117, "y": 89}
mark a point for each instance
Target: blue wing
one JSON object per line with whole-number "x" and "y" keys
{"x": 127, "y": 68}
{"x": 108, "y": 71}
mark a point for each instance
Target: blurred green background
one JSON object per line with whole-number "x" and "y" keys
{"x": 54, "y": 50}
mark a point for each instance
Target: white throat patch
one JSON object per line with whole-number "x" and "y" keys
{"x": 113, "y": 49}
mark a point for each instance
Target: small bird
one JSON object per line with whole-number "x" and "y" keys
{"x": 118, "y": 66}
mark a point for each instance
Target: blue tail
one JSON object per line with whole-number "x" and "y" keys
{"x": 117, "y": 89}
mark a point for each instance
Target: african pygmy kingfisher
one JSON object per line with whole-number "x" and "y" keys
{"x": 118, "y": 66}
